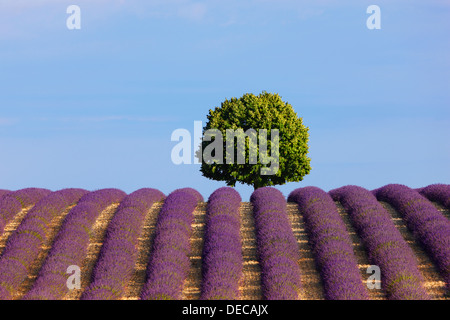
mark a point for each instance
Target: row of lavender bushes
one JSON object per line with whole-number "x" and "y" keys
{"x": 385, "y": 246}
{"x": 169, "y": 262}
{"x": 222, "y": 258}
{"x": 222, "y": 250}
{"x": 71, "y": 244}
{"x": 278, "y": 250}
{"x": 429, "y": 226}
{"x": 119, "y": 253}
{"x": 11, "y": 203}
{"x": 331, "y": 245}
{"x": 24, "y": 245}
{"x": 438, "y": 192}
{"x": 4, "y": 192}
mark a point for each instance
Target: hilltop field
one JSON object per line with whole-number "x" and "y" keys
{"x": 308, "y": 245}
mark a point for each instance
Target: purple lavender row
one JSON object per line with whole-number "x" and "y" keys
{"x": 4, "y": 192}
{"x": 169, "y": 261}
{"x": 437, "y": 192}
{"x": 386, "y": 248}
{"x": 278, "y": 251}
{"x": 23, "y": 247}
{"x": 222, "y": 249}
{"x": 71, "y": 244}
{"x": 115, "y": 265}
{"x": 29, "y": 196}
{"x": 331, "y": 245}
{"x": 11, "y": 203}
{"x": 427, "y": 224}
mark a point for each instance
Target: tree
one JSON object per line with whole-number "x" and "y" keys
{"x": 246, "y": 120}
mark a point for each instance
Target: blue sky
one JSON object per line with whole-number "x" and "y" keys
{"x": 95, "y": 107}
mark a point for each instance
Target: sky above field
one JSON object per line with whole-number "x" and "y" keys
{"x": 95, "y": 107}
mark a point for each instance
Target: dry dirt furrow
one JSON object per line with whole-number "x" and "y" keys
{"x": 442, "y": 209}
{"x": 192, "y": 285}
{"x": 137, "y": 281}
{"x": 95, "y": 244}
{"x": 250, "y": 288}
{"x": 360, "y": 253}
{"x": 310, "y": 277}
{"x": 12, "y": 226}
{"x": 434, "y": 283}
{"x": 53, "y": 229}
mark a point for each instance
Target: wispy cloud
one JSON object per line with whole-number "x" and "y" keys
{"x": 197, "y": 8}
{"x": 108, "y": 118}
{"x": 8, "y": 121}
{"x": 193, "y": 11}
{"x": 19, "y": 18}
{"x": 27, "y": 4}
{"x": 186, "y": 8}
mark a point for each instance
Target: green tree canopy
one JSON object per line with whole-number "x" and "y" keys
{"x": 287, "y": 142}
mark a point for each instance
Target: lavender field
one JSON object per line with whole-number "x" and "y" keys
{"x": 307, "y": 245}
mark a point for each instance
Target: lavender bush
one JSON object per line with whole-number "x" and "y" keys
{"x": 23, "y": 247}
{"x": 222, "y": 250}
{"x": 385, "y": 246}
{"x": 278, "y": 250}
{"x": 9, "y": 207}
{"x": 437, "y": 192}
{"x": 427, "y": 224}
{"x": 169, "y": 261}
{"x": 11, "y": 203}
{"x": 331, "y": 245}
{"x": 71, "y": 244}
{"x": 4, "y": 192}
{"x": 115, "y": 265}
{"x": 30, "y": 196}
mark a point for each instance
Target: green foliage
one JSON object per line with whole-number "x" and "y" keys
{"x": 265, "y": 111}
